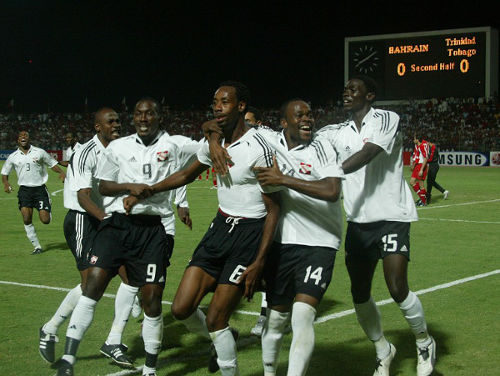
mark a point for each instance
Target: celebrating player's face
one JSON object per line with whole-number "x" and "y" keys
{"x": 23, "y": 139}
{"x": 109, "y": 125}
{"x": 225, "y": 106}
{"x": 355, "y": 95}
{"x": 299, "y": 123}
{"x": 146, "y": 119}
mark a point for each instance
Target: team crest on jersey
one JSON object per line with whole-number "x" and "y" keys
{"x": 305, "y": 168}
{"x": 162, "y": 156}
{"x": 94, "y": 259}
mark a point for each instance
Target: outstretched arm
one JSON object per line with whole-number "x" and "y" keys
{"x": 361, "y": 158}
{"x": 111, "y": 188}
{"x": 327, "y": 189}
{"x": 180, "y": 178}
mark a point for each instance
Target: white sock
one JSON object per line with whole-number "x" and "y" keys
{"x": 152, "y": 333}
{"x": 64, "y": 311}
{"x": 263, "y": 303}
{"x": 80, "y": 321}
{"x": 196, "y": 323}
{"x": 123, "y": 306}
{"x": 369, "y": 318}
{"x": 413, "y": 312}
{"x": 272, "y": 337}
{"x": 302, "y": 345}
{"x": 31, "y": 233}
{"x": 225, "y": 345}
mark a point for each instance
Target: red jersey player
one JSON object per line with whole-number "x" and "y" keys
{"x": 419, "y": 169}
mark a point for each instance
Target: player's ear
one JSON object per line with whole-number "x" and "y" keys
{"x": 370, "y": 96}
{"x": 283, "y": 123}
{"x": 242, "y": 106}
{"x": 97, "y": 127}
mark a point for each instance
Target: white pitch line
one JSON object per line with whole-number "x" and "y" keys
{"x": 336, "y": 315}
{"x": 419, "y": 292}
{"x": 457, "y": 220}
{"x": 112, "y": 296}
{"x": 460, "y": 204}
{"x": 56, "y": 192}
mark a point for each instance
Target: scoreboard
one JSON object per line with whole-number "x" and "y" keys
{"x": 424, "y": 65}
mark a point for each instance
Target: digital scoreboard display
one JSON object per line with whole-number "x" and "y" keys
{"x": 450, "y": 63}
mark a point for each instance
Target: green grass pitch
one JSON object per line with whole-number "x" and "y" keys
{"x": 455, "y": 268}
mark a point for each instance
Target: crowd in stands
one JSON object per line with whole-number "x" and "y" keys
{"x": 455, "y": 124}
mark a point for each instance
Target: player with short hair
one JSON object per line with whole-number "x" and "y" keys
{"x": 300, "y": 264}
{"x": 30, "y": 164}
{"x": 379, "y": 209}
{"x": 139, "y": 240}
{"x": 73, "y": 146}
{"x": 433, "y": 163}
{"x": 85, "y": 212}
{"x": 230, "y": 258}
{"x": 419, "y": 169}
{"x": 253, "y": 116}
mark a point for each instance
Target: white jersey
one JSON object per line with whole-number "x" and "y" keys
{"x": 128, "y": 160}
{"x": 70, "y": 151}
{"x": 239, "y": 192}
{"x": 31, "y": 168}
{"x": 377, "y": 191}
{"x": 306, "y": 220}
{"x": 81, "y": 172}
{"x": 180, "y": 200}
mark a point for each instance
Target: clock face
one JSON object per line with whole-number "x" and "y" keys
{"x": 366, "y": 59}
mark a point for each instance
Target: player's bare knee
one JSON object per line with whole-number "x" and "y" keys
{"x": 398, "y": 290}
{"x": 152, "y": 308}
{"x": 181, "y": 311}
{"x": 216, "y": 321}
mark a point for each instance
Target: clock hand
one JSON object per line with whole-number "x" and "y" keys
{"x": 366, "y": 58}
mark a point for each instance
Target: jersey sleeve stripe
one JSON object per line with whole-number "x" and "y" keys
{"x": 268, "y": 153}
{"x": 320, "y": 152}
{"x": 84, "y": 155}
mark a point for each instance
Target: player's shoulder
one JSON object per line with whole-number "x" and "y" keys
{"x": 333, "y": 127}
{"x": 123, "y": 143}
{"x": 263, "y": 137}
{"x": 379, "y": 113}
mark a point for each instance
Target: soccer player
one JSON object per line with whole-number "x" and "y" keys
{"x": 419, "y": 169}
{"x": 379, "y": 209}
{"x": 300, "y": 264}
{"x": 433, "y": 163}
{"x": 139, "y": 240}
{"x": 253, "y": 117}
{"x": 73, "y": 146}
{"x": 30, "y": 164}
{"x": 230, "y": 258}
{"x": 82, "y": 198}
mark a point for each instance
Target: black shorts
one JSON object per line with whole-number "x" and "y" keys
{"x": 137, "y": 241}
{"x": 376, "y": 240}
{"x": 34, "y": 197}
{"x": 79, "y": 231}
{"x": 227, "y": 248}
{"x": 293, "y": 269}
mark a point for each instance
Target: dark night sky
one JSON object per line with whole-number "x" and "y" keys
{"x": 56, "y": 53}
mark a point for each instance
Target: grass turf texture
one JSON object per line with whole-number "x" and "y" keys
{"x": 449, "y": 243}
